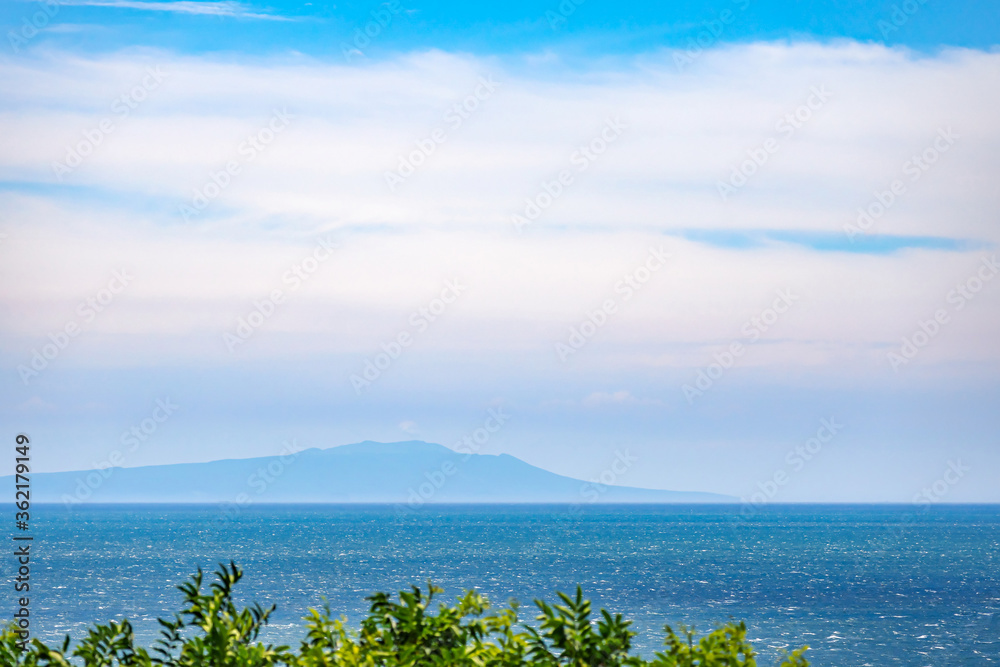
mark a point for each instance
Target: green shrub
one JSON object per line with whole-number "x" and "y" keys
{"x": 210, "y": 631}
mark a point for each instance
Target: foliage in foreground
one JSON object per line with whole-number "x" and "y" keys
{"x": 212, "y": 632}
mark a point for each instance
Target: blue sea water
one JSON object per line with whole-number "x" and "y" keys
{"x": 862, "y": 585}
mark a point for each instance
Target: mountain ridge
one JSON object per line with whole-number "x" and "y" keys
{"x": 412, "y": 473}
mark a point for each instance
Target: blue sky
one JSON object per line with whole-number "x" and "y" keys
{"x": 583, "y": 218}
{"x": 590, "y": 28}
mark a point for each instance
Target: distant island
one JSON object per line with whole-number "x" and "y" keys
{"x": 410, "y": 474}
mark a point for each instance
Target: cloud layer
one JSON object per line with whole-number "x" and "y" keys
{"x": 541, "y": 189}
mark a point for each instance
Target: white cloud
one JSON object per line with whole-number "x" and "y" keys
{"x": 35, "y": 404}
{"x": 224, "y": 8}
{"x": 325, "y": 175}
{"x": 620, "y": 397}
{"x": 686, "y": 133}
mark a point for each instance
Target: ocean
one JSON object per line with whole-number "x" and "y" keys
{"x": 861, "y": 585}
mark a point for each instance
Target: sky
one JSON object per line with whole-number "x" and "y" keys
{"x": 752, "y": 244}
